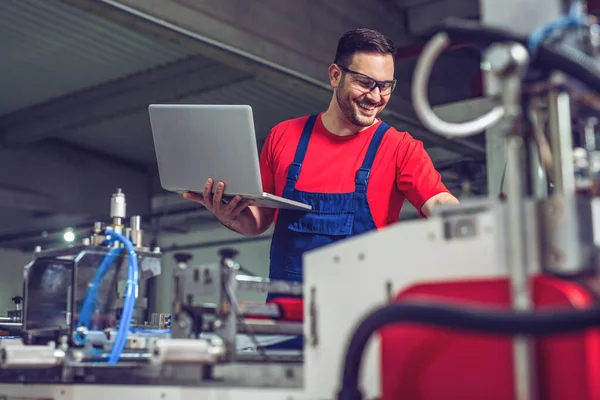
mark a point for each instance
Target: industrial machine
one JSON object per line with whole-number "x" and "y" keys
{"x": 492, "y": 299}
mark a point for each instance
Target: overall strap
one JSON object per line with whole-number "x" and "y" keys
{"x": 362, "y": 175}
{"x": 296, "y": 166}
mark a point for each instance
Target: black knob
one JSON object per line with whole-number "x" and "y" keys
{"x": 182, "y": 257}
{"x": 17, "y": 299}
{"x": 228, "y": 252}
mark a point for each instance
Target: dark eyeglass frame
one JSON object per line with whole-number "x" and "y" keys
{"x": 375, "y": 83}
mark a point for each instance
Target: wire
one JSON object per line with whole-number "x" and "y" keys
{"x": 575, "y": 18}
{"x": 131, "y": 293}
{"x": 89, "y": 302}
{"x": 547, "y": 58}
{"x": 502, "y": 179}
{"x": 468, "y": 319}
{"x": 420, "y": 86}
{"x": 563, "y": 58}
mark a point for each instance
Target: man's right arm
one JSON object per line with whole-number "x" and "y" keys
{"x": 239, "y": 215}
{"x": 256, "y": 220}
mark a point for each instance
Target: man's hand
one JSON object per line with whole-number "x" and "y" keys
{"x": 440, "y": 198}
{"x": 228, "y": 213}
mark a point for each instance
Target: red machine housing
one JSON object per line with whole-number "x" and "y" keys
{"x": 428, "y": 363}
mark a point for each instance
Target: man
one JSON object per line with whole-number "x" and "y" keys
{"x": 350, "y": 166}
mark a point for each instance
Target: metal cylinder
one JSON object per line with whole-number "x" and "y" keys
{"x": 20, "y": 356}
{"x": 136, "y": 230}
{"x": 118, "y": 205}
{"x": 136, "y": 223}
{"x": 185, "y": 351}
{"x": 567, "y": 242}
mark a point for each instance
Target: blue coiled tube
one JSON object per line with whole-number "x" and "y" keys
{"x": 130, "y": 294}
{"x": 89, "y": 302}
{"x": 131, "y": 290}
{"x": 576, "y": 17}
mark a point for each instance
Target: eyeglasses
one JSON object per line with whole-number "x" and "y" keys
{"x": 368, "y": 83}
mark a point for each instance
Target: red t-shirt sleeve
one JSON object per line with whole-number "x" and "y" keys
{"x": 267, "y": 174}
{"x": 416, "y": 176}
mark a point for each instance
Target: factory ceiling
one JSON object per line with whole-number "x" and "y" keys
{"x": 77, "y": 77}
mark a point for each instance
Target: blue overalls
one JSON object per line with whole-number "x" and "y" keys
{"x": 334, "y": 216}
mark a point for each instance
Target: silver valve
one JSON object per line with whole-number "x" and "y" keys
{"x": 118, "y": 205}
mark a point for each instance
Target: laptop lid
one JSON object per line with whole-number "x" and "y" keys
{"x": 194, "y": 142}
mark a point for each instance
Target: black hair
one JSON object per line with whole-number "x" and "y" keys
{"x": 362, "y": 40}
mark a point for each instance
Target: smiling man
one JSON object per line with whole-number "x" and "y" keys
{"x": 351, "y": 167}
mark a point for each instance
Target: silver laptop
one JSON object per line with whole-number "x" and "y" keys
{"x": 197, "y": 142}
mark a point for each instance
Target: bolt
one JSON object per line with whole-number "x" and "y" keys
{"x": 289, "y": 373}
{"x": 78, "y": 356}
{"x": 555, "y": 255}
{"x": 504, "y": 59}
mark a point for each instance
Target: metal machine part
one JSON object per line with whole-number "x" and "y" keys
{"x": 549, "y": 224}
{"x": 205, "y": 302}
{"x": 21, "y": 357}
{"x": 181, "y": 351}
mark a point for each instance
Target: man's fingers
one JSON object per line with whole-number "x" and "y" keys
{"x": 198, "y": 198}
{"x": 242, "y": 205}
{"x": 218, "y": 197}
{"x": 230, "y": 206}
{"x": 207, "y": 193}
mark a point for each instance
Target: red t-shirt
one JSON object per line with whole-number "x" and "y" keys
{"x": 401, "y": 169}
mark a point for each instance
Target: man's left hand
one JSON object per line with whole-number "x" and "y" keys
{"x": 440, "y": 198}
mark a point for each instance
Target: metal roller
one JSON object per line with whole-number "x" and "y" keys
{"x": 182, "y": 351}
{"x": 19, "y": 356}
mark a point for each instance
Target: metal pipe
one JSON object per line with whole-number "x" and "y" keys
{"x": 10, "y": 325}
{"x": 507, "y": 62}
{"x": 517, "y": 263}
{"x": 562, "y": 251}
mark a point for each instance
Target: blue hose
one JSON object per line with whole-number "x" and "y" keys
{"x": 151, "y": 331}
{"x": 130, "y": 294}
{"x": 130, "y": 298}
{"x": 576, "y": 17}
{"x": 89, "y": 302}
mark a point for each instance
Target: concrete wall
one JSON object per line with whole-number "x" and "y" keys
{"x": 12, "y": 264}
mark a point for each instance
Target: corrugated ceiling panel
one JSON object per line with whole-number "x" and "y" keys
{"x": 50, "y": 49}
{"x": 270, "y": 105}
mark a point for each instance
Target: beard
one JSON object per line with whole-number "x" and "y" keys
{"x": 353, "y": 111}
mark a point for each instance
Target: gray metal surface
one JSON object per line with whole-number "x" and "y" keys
{"x": 197, "y": 142}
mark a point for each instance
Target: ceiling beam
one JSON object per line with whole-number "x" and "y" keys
{"x": 423, "y": 17}
{"x": 112, "y": 100}
{"x": 297, "y": 62}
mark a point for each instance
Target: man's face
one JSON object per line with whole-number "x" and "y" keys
{"x": 359, "y": 104}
